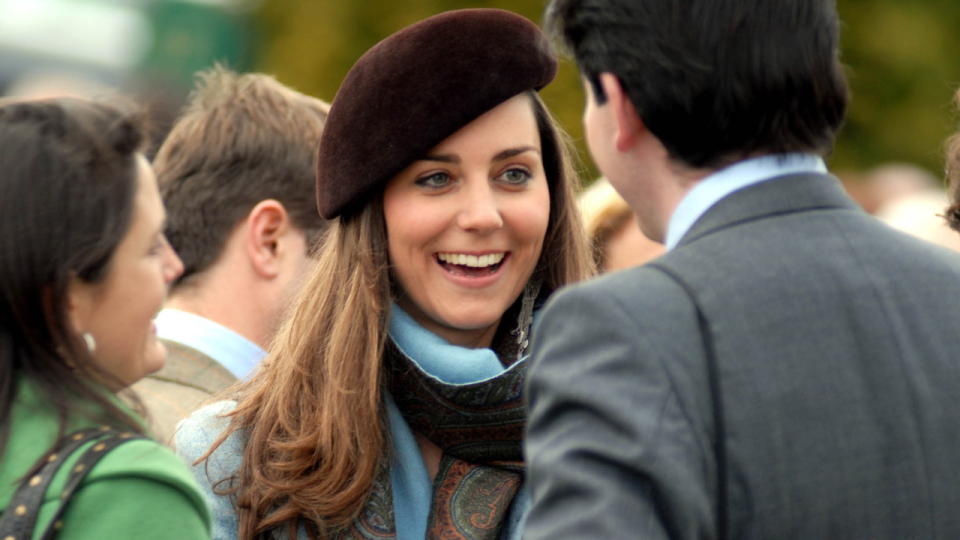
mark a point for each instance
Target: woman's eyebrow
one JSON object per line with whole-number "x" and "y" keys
{"x": 443, "y": 158}
{"x": 511, "y": 152}
{"x": 502, "y": 155}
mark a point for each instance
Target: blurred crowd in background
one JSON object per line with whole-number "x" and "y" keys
{"x": 902, "y": 63}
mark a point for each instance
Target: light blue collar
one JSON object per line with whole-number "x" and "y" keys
{"x": 447, "y": 363}
{"x": 231, "y": 350}
{"x": 734, "y": 178}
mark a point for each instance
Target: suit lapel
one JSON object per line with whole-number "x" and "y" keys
{"x": 788, "y": 194}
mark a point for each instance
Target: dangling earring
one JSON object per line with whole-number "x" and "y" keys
{"x": 525, "y": 320}
{"x": 90, "y": 341}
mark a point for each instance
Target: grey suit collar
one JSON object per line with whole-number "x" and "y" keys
{"x": 788, "y": 194}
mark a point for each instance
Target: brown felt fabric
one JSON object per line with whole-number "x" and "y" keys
{"x": 416, "y": 88}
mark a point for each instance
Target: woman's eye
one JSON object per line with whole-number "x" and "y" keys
{"x": 516, "y": 176}
{"x": 435, "y": 180}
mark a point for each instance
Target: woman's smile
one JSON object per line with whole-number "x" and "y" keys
{"x": 471, "y": 265}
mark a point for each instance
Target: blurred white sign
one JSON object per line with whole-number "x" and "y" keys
{"x": 106, "y": 35}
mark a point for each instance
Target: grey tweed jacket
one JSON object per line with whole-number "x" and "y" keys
{"x": 837, "y": 352}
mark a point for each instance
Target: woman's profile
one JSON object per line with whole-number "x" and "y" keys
{"x": 83, "y": 273}
{"x": 391, "y": 405}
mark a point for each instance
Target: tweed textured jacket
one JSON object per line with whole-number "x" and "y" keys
{"x": 187, "y": 380}
{"x": 838, "y": 377}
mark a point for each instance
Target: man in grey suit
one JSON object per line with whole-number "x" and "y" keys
{"x": 789, "y": 368}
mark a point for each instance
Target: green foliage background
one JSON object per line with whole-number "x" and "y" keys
{"x": 902, "y": 58}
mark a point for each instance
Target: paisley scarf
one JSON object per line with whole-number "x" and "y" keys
{"x": 478, "y": 426}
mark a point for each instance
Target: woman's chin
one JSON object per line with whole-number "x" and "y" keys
{"x": 155, "y": 356}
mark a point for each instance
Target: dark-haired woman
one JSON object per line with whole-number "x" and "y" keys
{"x": 83, "y": 272}
{"x": 391, "y": 405}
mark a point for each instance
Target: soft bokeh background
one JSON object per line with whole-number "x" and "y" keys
{"x": 902, "y": 58}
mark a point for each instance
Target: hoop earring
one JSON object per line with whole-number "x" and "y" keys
{"x": 90, "y": 341}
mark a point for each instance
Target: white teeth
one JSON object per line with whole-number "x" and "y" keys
{"x": 471, "y": 260}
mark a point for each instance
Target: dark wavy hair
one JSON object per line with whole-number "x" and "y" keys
{"x": 68, "y": 177}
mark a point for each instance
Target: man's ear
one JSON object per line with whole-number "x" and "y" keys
{"x": 266, "y": 225}
{"x": 627, "y": 121}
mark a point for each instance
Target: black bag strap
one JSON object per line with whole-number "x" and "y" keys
{"x": 20, "y": 518}
{"x": 713, "y": 374}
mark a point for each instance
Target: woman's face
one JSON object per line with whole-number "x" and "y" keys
{"x": 466, "y": 224}
{"x": 119, "y": 310}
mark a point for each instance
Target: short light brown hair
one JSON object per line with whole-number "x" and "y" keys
{"x": 242, "y": 139}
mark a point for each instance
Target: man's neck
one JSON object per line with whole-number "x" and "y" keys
{"x": 665, "y": 184}
{"x": 223, "y": 307}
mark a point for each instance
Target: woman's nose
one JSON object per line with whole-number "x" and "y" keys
{"x": 172, "y": 265}
{"x": 480, "y": 211}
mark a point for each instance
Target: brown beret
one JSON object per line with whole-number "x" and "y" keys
{"x": 416, "y": 88}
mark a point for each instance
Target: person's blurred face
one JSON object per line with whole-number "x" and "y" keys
{"x": 466, "y": 224}
{"x": 119, "y": 311}
{"x": 628, "y": 247}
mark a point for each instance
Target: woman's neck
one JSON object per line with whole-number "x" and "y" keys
{"x": 477, "y": 338}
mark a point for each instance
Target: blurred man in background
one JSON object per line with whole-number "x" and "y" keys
{"x": 237, "y": 175}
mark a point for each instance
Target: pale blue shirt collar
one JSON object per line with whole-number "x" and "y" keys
{"x": 734, "y": 178}
{"x": 231, "y": 350}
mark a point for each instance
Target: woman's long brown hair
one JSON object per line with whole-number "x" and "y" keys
{"x": 313, "y": 416}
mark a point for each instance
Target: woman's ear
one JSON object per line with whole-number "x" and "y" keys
{"x": 80, "y": 302}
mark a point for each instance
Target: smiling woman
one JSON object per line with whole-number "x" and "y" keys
{"x": 466, "y": 224}
{"x": 83, "y": 273}
{"x": 391, "y": 405}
